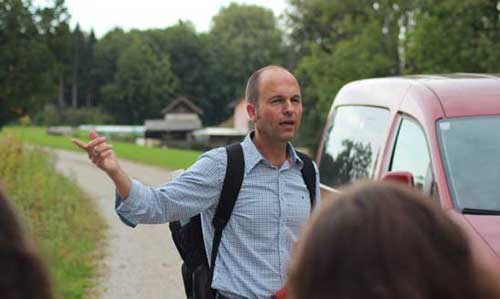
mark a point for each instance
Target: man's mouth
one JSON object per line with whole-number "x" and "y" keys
{"x": 287, "y": 123}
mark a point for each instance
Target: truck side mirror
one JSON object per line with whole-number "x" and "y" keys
{"x": 404, "y": 177}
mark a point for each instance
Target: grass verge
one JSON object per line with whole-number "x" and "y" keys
{"x": 165, "y": 158}
{"x": 57, "y": 215}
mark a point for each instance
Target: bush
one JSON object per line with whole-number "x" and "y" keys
{"x": 49, "y": 116}
{"x": 53, "y": 116}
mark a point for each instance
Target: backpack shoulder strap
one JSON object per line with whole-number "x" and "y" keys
{"x": 309, "y": 176}
{"x": 230, "y": 189}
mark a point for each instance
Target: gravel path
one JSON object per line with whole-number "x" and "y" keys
{"x": 140, "y": 262}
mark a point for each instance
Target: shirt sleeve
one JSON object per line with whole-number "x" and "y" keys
{"x": 194, "y": 191}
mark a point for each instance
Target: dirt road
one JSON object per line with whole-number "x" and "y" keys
{"x": 141, "y": 262}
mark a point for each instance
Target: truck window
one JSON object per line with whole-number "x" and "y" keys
{"x": 352, "y": 144}
{"x": 411, "y": 153}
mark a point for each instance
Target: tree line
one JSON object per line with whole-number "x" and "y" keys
{"x": 338, "y": 41}
{"x": 130, "y": 76}
{"x": 126, "y": 77}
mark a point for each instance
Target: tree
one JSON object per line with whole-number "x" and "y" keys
{"x": 107, "y": 51}
{"x": 340, "y": 41}
{"x": 88, "y": 78}
{"x": 243, "y": 38}
{"x": 323, "y": 22}
{"x": 24, "y": 61}
{"x": 188, "y": 58}
{"x": 78, "y": 47}
{"x": 54, "y": 27}
{"x": 453, "y": 36}
{"x": 143, "y": 84}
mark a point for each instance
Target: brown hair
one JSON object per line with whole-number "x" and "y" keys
{"x": 252, "y": 89}
{"x": 23, "y": 275}
{"x": 381, "y": 240}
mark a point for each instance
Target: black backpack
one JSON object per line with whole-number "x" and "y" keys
{"x": 187, "y": 235}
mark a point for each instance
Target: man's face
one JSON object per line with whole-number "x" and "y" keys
{"x": 278, "y": 111}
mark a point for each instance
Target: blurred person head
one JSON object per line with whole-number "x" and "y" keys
{"x": 382, "y": 240}
{"x": 22, "y": 274}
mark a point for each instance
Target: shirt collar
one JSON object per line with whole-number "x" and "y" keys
{"x": 253, "y": 156}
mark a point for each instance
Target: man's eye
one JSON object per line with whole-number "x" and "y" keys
{"x": 275, "y": 101}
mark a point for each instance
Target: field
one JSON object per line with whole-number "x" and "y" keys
{"x": 56, "y": 216}
{"x": 166, "y": 158}
{"x": 53, "y": 208}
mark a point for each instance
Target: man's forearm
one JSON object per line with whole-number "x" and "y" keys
{"x": 122, "y": 182}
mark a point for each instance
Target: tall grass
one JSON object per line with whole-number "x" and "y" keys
{"x": 58, "y": 216}
{"x": 166, "y": 158}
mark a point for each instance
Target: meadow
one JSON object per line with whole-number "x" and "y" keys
{"x": 56, "y": 216}
{"x": 161, "y": 157}
{"x": 55, "y": 211}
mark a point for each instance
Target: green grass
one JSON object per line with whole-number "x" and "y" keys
{"x": 166, "y": 158}
{"x": 58, "y": 216}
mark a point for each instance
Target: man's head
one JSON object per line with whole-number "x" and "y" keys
{"x": 274, "y": 103}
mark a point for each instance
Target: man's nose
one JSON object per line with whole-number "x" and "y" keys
{"x": 287, "y": 107}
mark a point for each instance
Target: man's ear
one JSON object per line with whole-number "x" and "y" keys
{"x": 252, "y": 113}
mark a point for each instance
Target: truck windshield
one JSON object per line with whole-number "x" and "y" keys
{"x": 470, "y": 148}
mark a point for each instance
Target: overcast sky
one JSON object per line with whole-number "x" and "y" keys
{"x": 103, "y": 15}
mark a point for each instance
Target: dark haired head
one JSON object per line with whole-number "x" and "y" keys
{"x": 23, "y": 275}
{"x": 383, "y": 241}
{"x": 252, "y": 89}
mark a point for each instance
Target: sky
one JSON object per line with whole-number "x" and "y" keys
{"x": 103, "y": 15}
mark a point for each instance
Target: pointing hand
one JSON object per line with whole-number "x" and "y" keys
{"x": 99, "y": 152}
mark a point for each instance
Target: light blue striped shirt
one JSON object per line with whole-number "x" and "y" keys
{"x": 272, "y": 206}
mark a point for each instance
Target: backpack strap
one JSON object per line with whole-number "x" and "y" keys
{"x": 175, "y": 230}
{"x": 309, "y": 176}
{"x": 230, "y": 189}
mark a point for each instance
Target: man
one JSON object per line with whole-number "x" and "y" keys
{"x": 272, "y": 205}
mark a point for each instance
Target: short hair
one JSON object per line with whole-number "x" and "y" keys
{"x": 385, "y": 241}
{"x": 252, "y": 88}
{"x": 24, "y": 276}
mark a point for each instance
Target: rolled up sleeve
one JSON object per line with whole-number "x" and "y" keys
{"x": 194, "y": 191}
